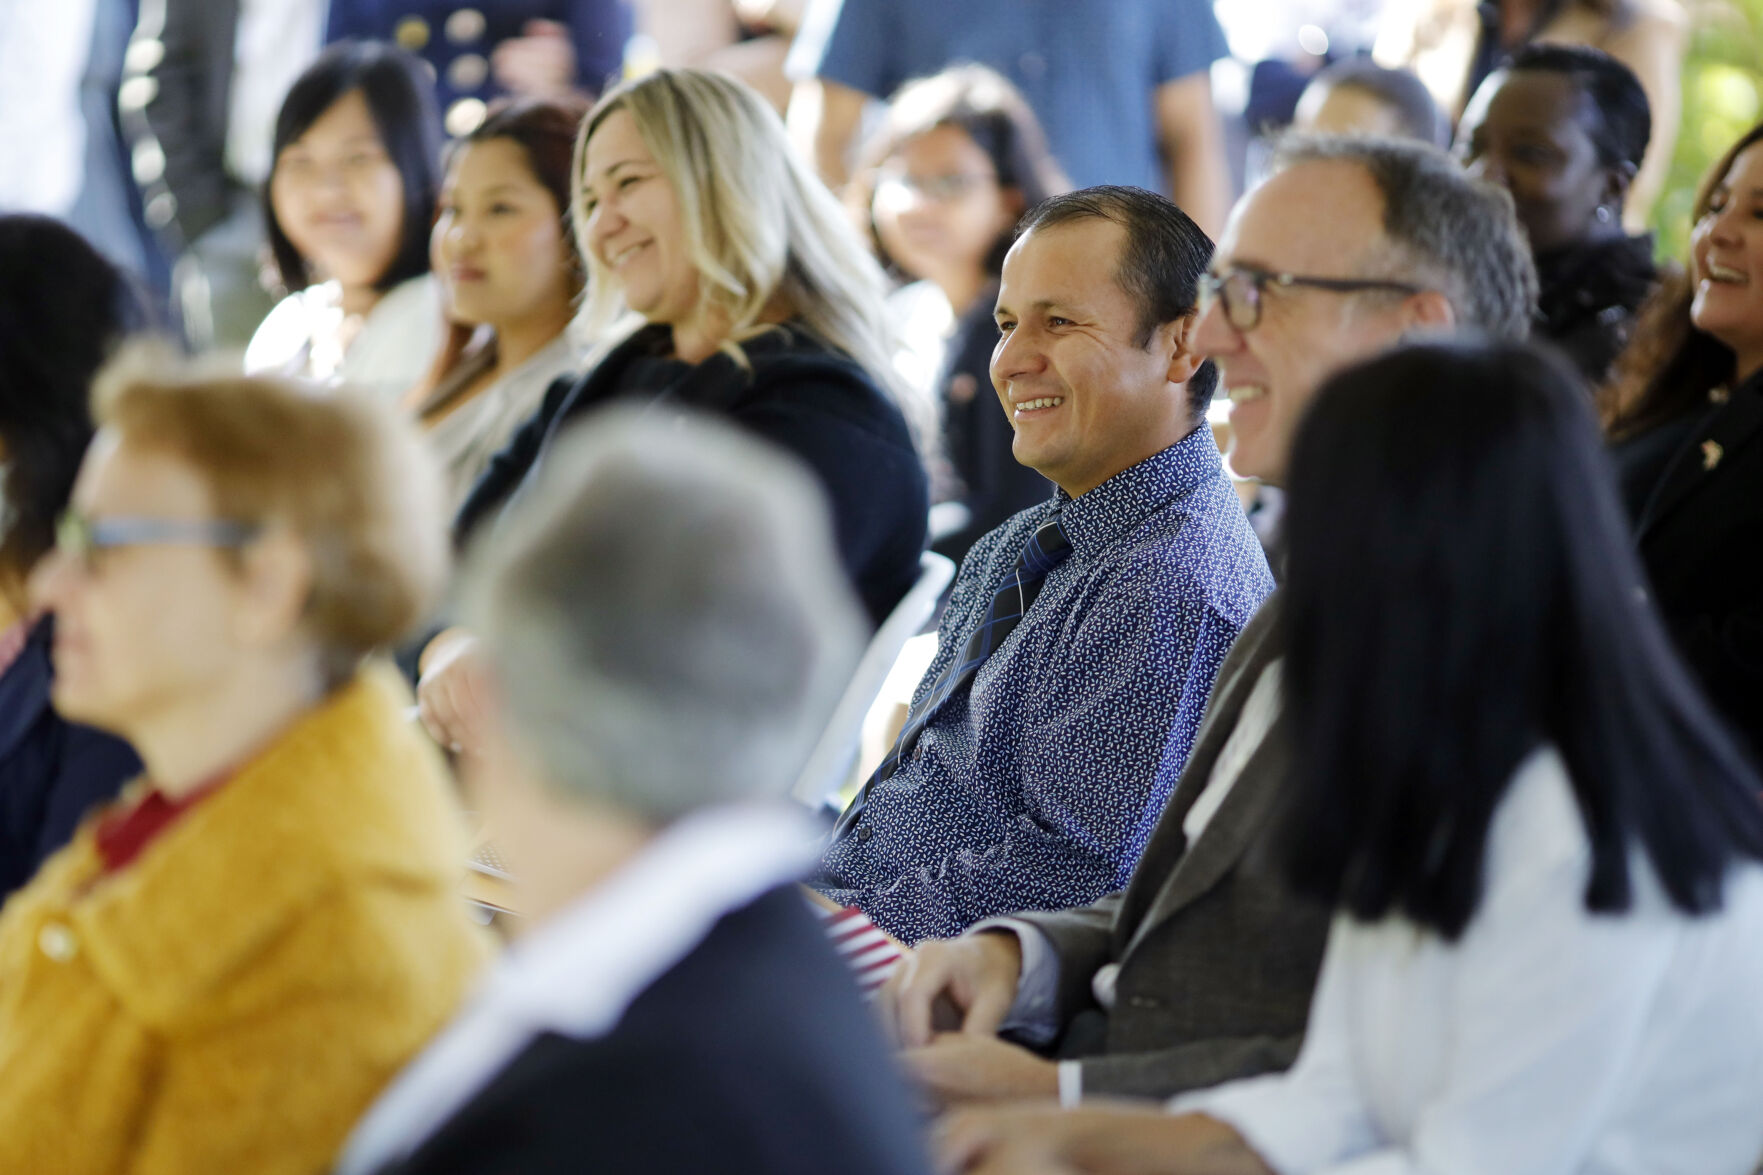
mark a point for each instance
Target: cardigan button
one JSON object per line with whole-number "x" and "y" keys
{"x": 58, "y": 942}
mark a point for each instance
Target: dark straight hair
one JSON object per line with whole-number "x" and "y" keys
{"x": 1462, "y": 589}
{"x": 63, "y": 310}
{"x": 1619, "y": 120}
{"x": 1160, "y": 264}
{"x": 401, "y": 100}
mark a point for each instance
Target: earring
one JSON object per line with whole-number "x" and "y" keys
{"x": 1604, "y": 214}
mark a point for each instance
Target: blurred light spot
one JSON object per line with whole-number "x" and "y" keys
{"x": 147, "y": 161}
{"x": 144, "y": 55}
{"x": 135, "y": 93}
{"x": 1312, "y": 40}
{"x": 465, "y": 116}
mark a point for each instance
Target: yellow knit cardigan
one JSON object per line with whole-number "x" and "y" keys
{"x": 234, "y": 999}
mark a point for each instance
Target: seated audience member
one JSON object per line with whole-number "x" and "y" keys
{"x": 673, "y": 967}
{"x": 63, "y": 308}
{"x": 1357, "y": 96}
{"x": 348, "y": 204}
{"x": 1688, "y": 435}
{"x": 1542, "y": 847}
{"x": 507, "y": 266}
{"x": 957, "y": 162}
{"x": 1082, "y": 636}
{"x": 1201, "y": 970}
{"x": 730, "y": 280}
{"x": 1563, "y": 128}
{"x": 222, "y": 968}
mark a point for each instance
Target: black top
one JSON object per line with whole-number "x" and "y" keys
{"x": 977, "y": 435}
{"x": 799, "y": 394}
{"x": 51, "y": 771}
{"x": 1587, "y": 296}
{"x": 1695, "y": 486}
{"x": 751, "y": 1055}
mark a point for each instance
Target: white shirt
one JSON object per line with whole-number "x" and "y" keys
{"x": 43, "y": 54}
{"x": 1546, "y": 1041}
{"x": 1033, "y": 1015}
{"x": 578, "y": 972}
{"x": 307, "y": 336}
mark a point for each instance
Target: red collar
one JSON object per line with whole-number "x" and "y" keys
{"x": 121, "y": 836}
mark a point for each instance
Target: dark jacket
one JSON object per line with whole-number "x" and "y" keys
{"x": 1695, "y": 486}
{"x": 751, "y": 1055}
{"x": 1587, "y": 296}
{"x": 51, "y": 771}
{"x": 978, "y": 437}
{"x": 1217, "y": 958}
{"x": 801, "y": 395}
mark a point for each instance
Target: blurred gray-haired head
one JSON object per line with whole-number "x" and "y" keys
{"x": 666, "y": 615}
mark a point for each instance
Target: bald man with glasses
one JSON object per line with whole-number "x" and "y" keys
{"x": 1201, "y": 970}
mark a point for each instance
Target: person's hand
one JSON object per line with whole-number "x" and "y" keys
{"x": 967, "y": 983}
{"x": 538, "y": 64}
{"x": 452, "y": 690}
{"x": 1102, "y": 1137}
{"x": 1021, "y": 1137}
{"x": 958, "y": 1067}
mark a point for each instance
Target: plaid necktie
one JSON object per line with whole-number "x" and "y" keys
{"x": 1045, "y": 550}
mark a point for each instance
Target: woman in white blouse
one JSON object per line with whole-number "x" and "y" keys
{"x": 1548, "y": 957}
{"x": 510, "y": 275}
{"x": 348, "y": 204}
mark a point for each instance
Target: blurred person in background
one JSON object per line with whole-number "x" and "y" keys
{"x": 1453, "y": 45}
{"x": 1357, "y": 96}
{"x": 479, "y": 52}
{"x": 510, "y": 274}
{"x": 1123, "y": 89}
{"x": 957, "y": 161}
{"x": 1542, "y": 849}
{"x": 722, "y": 275}
{"x": 1686, "y": 420}
{"x": 747, "y": 39}
{"x": 223, "y": 967}
{"x": 63, "y": 309}
{"x": 349, "y": 202}
{"x": 675, "y": 1006}
{"x": 1564, "y": 128}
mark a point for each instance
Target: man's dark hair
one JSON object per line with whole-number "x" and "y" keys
{"x": 1618, "y": 119}
{"x": 401, "y": 100}
{"x": 1161, "y": 261}
{"x": 1427, "y": 659}
{"x": 1448, "y": 232}
{"x": 1417, "y": 115}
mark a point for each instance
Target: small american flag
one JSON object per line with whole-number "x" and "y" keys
{"x": 865, "y": 948}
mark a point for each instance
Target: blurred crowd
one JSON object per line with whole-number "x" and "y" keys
{"x": 670, "y": 585}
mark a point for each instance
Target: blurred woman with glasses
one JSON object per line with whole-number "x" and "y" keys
{"x": 223, "y": 966}
{"x": 63, "y": 308}
{"x": 959, "y": 158}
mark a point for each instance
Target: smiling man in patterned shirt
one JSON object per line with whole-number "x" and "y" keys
{"x": 1082, "y": 637}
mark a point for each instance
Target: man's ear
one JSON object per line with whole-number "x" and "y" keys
{"x": 1427, "y": 310}
{"x": 1176, "y": 340}
{"x": 277, "y": 577}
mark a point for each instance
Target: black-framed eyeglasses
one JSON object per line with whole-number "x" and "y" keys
{"x": 1241, "y": 288}
{"x": 81, "y": 538}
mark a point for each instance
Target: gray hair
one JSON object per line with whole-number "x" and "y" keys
{"x": 666, "y": 615}
{"x": 1448, "y": 231}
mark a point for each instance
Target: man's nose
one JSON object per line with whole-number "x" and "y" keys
{"x": 1213, "y": 333}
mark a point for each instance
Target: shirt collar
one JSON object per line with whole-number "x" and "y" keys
{"x": 1094, "y": 520}
{"x": 578, "y": 972}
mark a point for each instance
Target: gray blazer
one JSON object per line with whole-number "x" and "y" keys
{"x": 1217, "y": 960}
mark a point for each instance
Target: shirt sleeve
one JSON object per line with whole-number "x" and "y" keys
{"x": 1034, "y": 1017}
{"x": 1548, "y": 1004}
{"x": 847, "y": 41}
{"x": 1189, "y": 40}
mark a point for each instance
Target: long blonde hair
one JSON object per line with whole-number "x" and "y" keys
{"x": 760, "y": 228}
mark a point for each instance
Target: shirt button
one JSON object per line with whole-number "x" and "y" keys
{"x": 918, "y": 750}
{"x": 58, "y": 942}
{"x": 864, "y": 832}
{"x": 1143, "y": 1001}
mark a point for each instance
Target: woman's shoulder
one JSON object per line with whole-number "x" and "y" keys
{"x": 281, "y": 339}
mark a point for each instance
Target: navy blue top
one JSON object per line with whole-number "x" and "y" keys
{"x": 52, "y": 772}
{"x": 1088, "y": 70}
{"x": 1036, "y": 785}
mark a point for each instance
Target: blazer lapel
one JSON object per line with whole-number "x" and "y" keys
{"x": 1167, "y": 854}
{"x": 1705, "y": 454}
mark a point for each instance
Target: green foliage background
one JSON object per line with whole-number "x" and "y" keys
{"x": 1722, "y": 98}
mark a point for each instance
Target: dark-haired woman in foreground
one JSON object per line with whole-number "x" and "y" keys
{"x": 1687, "y": 426}
{"x": 1542, "y": 847}
{"x": 63, "y": 308}
{"x": 348, "y": 205}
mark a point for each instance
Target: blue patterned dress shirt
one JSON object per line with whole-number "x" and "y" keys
{"x": 1037, "y": 784}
